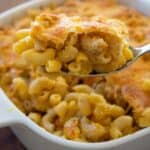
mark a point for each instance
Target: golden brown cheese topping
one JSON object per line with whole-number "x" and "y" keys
{"x": 134, "y": 83}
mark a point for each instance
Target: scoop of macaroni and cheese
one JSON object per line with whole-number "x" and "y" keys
{"x": 71, "y": 44}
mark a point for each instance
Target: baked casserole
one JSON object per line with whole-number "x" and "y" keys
{"x": 81, "y": 109}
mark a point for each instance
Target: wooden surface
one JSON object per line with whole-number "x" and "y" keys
{"x": 5, "y": 4}
{"x": 8, "y": 140}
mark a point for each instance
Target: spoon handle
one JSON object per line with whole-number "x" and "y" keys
{"x": 142, "y": 50}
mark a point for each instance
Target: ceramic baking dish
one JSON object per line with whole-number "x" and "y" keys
{"x": 36, "y": 138}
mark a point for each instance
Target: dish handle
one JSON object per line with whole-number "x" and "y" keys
{"x": 9, "y": 114}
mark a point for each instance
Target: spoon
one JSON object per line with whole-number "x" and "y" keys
{"x": 137, "y": 52}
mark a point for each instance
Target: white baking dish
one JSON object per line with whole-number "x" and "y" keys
{"x": 36, "y": 138}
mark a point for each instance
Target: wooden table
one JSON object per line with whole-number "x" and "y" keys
{"x": 8, "y": 140}
{"x": 5, "y": 4}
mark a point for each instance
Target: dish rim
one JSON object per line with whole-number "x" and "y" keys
{"x": 11, "y": 14}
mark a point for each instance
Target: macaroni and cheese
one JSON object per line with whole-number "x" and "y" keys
{"x": 80, "y": 109}
{"x": 71, "y": 44}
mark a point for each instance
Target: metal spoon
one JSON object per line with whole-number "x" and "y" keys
{"x": 137, "y": 52}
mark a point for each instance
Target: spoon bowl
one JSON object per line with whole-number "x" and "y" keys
{"x": 137, "y": 52}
